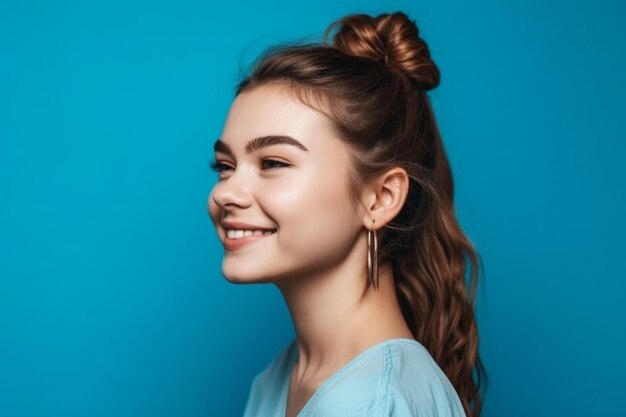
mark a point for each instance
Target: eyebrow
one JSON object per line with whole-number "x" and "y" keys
{"x": 260, "y": 143}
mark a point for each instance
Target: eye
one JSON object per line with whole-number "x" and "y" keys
{"x": 218, "y": 166}
{"x": 274, "y": 162}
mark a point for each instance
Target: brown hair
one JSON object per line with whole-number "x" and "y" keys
{"x": 372, "y": 82}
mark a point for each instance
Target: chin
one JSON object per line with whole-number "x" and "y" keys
{"x": 239, "y": 271}
{"x": 234, "y": 280}
{"x": 243, "y": 278}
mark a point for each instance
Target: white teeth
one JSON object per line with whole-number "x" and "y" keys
{"x": 237, "y": 234}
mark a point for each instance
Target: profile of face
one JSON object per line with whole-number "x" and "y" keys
{"x": 297, "y": 188}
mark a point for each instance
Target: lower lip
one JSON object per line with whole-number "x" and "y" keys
{"x": 232, "y": 244}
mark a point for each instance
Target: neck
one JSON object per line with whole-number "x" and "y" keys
{"x": 332, "y": 323}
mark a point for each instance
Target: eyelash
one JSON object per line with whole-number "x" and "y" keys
{"x": 217, "y": 166}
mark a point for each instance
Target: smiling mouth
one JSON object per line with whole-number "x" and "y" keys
{"x": 233, "y": 243}
{"x": 243, "y": 234}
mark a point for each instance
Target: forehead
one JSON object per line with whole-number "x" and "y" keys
{"x": 271, "y": 110}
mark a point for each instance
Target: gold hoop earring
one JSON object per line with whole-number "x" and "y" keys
{"x": 372, "y": 257}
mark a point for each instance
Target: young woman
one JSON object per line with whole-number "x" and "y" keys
{"x": 334, "y": 185}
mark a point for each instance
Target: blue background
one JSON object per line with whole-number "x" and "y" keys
{"x": 112, "y": 301}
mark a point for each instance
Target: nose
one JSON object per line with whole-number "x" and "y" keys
{"x": 232, "y": 192}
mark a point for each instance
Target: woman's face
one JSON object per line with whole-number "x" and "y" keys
{"x": 297, "y": 189}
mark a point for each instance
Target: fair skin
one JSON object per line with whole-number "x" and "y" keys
{"x": 318, "y": 255}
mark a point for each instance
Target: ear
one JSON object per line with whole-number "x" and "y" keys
{"x": 384, "y": 197}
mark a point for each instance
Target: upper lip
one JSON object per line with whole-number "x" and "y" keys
{"x": 244, "y": 226}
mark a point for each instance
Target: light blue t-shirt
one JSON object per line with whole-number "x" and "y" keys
{"x": 396, "y": 377}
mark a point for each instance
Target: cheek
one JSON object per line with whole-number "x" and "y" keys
{"x": 293, "y": 199}
{"x": 314, "y": 208}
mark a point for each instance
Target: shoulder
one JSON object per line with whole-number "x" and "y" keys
{"x": 278, "y": 368}
{"x": 398, "y": 378}
{"x": 266, "y": 388}
{"x": 416, "y": 385}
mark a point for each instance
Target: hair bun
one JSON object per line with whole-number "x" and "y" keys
{"x": 389, "y": 38}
